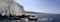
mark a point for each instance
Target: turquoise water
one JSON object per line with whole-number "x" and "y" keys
{"x": 41, "y": 18}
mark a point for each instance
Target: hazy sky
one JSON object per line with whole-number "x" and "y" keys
{"x": 45, "y": 6}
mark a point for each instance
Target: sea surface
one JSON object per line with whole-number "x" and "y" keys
{"x": 41, "y": 18}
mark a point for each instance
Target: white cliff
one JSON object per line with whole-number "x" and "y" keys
{"x": 10, "y": 6}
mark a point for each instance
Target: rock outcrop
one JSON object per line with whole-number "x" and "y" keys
{"x": 10, "y": 7}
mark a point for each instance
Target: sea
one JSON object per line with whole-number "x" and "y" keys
{"x": 41, "y": 18}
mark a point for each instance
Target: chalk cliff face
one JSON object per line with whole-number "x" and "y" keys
{"x": 10, "y": 6}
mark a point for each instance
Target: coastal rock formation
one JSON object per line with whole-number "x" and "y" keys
{"x": 10, "y": 7}
{"x": 12, "y": 10}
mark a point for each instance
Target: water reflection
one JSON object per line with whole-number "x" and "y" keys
{"x": 26, "y": 20}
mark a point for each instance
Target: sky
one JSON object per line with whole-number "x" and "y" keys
{"x": 43, "y": 6}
